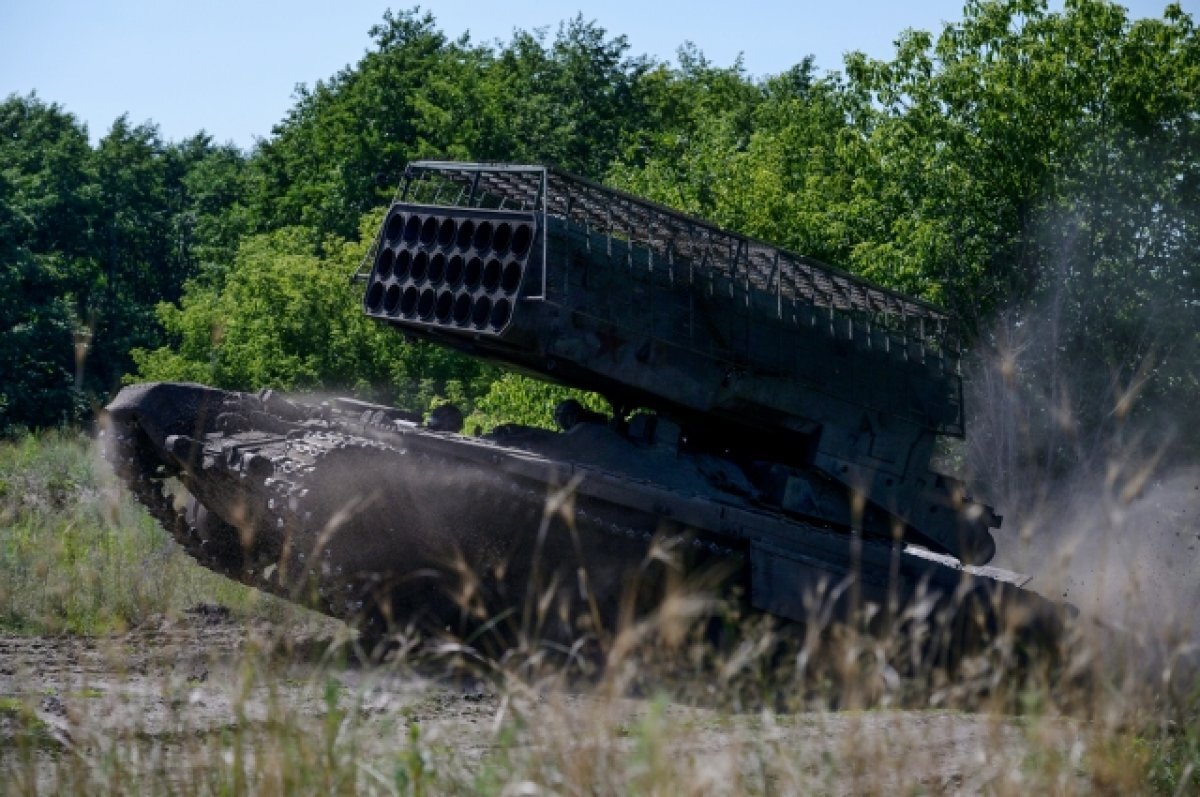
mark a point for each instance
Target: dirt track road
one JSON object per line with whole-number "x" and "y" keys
{"x": 170, "y": 702}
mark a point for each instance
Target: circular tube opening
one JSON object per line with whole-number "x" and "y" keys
{"x": 412, "y": 229}
{"x": 383, "y": 265}
{"x": 437, "y": 269}
{"x": 481, "y": 312}
{"x": 391, "y": 302}
{"x": 512, "y": 277}
{"x": 429, "y": 231}
{"x": 492, "y": 273}
{"x": 522, "y": 238}
{"x": 462, "y": 309}
{"x": 483, "y": 236}
{"x": 501, "y": 313}
{"x": 445, "y": 303}
{"x": 503, "y": 237}
{"x": 446, "y": 233}
{"x": 395, "y": 228}
{"x": 454, "y": 270}
{"x": 420, "y": 267}
{"x": 408, "y": 302}
{"x": 375, "y": 296}
{"x": 473, "y": 273}
{"x": 403, "y": 264}
{"x": 466, "y": 233}
{"x": 426, "y": 302}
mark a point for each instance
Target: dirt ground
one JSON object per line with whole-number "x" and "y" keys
{"x": 183, "y": 684}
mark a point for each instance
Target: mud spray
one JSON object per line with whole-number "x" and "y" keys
{"x": 1094, "y": 469}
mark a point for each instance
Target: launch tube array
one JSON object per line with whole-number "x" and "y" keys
{"x": 451, "y": 269}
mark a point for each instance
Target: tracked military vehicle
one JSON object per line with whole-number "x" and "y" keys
{"x": 772, "y": 425}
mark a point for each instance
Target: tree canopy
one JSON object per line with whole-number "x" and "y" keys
{"x": 1040, "y": 163}
{"x": 91, "y": 239}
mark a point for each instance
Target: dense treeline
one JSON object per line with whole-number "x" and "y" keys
{"x": 91, "y": 240}
{"x": 1017, "y": 159}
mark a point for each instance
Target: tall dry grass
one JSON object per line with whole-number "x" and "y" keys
{"x": 767, "y": 709}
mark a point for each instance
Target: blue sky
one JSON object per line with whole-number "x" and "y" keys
{"x": 230, "y": 67}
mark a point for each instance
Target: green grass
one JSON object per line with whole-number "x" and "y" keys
{"x": 78, "y": 555}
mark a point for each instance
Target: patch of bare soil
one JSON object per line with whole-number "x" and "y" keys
{"x": 163, "y": 686}
{"x": 142, "y": 681}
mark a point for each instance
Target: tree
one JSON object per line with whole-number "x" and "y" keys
{"x": 342, "y": 147}
{"x": 286, "y": 318}
{"x": 340, "y": 151}
{"x": 160, "y": 210}
{"x": 90, "y": 241}
{"x": 1042, "y": 161}
{"x": 46, "y": 262}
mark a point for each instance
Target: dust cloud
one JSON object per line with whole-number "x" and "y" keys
{"x": 1094, "y": 470}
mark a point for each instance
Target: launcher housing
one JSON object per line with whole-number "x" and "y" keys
{"x": 829, "y": 389}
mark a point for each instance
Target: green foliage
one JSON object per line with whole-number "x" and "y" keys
{"x": 1018, "y": 157}
{"x": 1020, "y": 138}
{"x": 77, "y": 555}
{"x": 772, "y": 160}
{"x": 1173, "y": 759}
{"x": 286, "y": 317}
{"x": 1045, "y": 161}
{"x": 45, "y": 264}
{"x": 341, "y": 149}
{"x": 90, "y": 241}
{"x": 276, "y": 320}
{"x": 513, "y": 398}
{"x": 1022, "y": 159}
